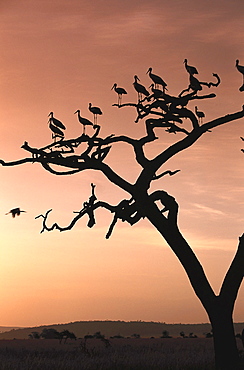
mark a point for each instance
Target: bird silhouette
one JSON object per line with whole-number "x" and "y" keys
{"x": 156, "y": 92}
{"x": 15, "y": 212}
{"x": 120, "y": 91}
{"x": 190, "y": 69}
{"x": 241, "y": 70}
{"x": 57, "y": 132}
{"x": 199, "y": 114}
{"x": 55, "y": 121}
{"x": 195, "y": 84}
{"x": 95, "y": 111}
{"x": 140, "y": 89}
{"x": 84, "y": 121}
{"x": 156, "y": 79}
{"x": 56, "y": 126}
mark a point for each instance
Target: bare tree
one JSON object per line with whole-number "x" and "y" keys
{"x": 162, "y": 111}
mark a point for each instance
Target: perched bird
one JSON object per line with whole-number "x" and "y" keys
{"x": 84, "y": 121}
{"x": 195, "y": 84}
{"x": 140, "y": 89}
{"x": 156, "y": 79}
{"x": 190, "y": 69}
{"x": 56, "y": 127}
{"x": 156, "y": 92}
{"x": 55, "y": 121}
{"x": 240, "y": 68}
{"x": 199, "y": 114}
{"x": 95, "y": 111}
{"x": 15, "y": 212}
{"x": 57, "y": 132}
{"x": 120, "y": 91}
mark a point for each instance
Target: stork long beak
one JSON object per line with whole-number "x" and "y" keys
{"x": 76, "y": 111}
{"x": 113, "y": 87}
{"x": 148, "y": 71}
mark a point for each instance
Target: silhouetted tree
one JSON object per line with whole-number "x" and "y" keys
{"x": 191, "y": 335}
{"x": 165, "y": 334}
{"x": 158, "y": 110}
{"x": 66, "y": 334}
{"x": 98, "y": 335}
{"x": 182, "y": 334}
{"x": 135, "y": 335}
{"x": 50, "y": 333}
{"x": 209, "y": 334}
{"x": 34, "y": 335}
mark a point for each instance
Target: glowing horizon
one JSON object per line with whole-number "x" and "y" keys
{"x": 59, "y": 57}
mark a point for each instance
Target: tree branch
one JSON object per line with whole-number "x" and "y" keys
{"x": 234, "y": 276}
{"x": 126, "y": 210}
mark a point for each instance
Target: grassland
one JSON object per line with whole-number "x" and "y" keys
{"x": 118, "y": 354}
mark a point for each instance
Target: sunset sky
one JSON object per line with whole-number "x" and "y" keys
{"x": 59, "y": 56}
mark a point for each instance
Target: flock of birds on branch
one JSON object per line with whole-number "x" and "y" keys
{"x": 57, "y": 127}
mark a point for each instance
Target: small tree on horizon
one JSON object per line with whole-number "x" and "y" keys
{"x": 158, "y": 111}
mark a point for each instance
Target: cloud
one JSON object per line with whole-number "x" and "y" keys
{"x": 209, "y": 210}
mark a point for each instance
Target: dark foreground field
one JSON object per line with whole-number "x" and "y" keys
{"x": 118, "y": 354}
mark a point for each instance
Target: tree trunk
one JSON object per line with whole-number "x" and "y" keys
{"x": 225, "y": 346}
{"x": 219, "y": 308}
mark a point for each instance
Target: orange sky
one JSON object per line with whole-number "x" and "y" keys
{"x": 59, "y": 56}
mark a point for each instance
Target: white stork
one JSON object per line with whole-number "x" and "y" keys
{"x": 190, "y": 69}
{"x": 240, "y": 69}
{"x": 199, "y": 114}
{"x": 95, "y": 111}
{"x": 56, "y": 127}
{"x": 84, "y": 121}
{"x": 55, "y": 121}
{"x": 156, "y": 92}
{"x": 120, "y": 91}
{"x": 140, "y": 89}
{"x": 156, "y": 79}
{"x": 15, "y": 212}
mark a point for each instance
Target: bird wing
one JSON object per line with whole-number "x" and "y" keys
{"x": 55, "y": 129}
{"x": 58, "y": 123}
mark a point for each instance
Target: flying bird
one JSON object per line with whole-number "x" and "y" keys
{"x": 190, "y": 69}
{"x": 156, "y": 79}
{"x": 84, "y": 121}
{"x": 15, "y": 212}
{"x": 240, "y": 68}
{"x": 120, "y": 91}
{"x": 199, "y": 114}
{"x": 140, "y": 89}
{"x": 95, "y": 111}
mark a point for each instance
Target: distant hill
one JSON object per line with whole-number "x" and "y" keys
{"x": 123, "y": 328}
{"x": 8, "y": 328}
